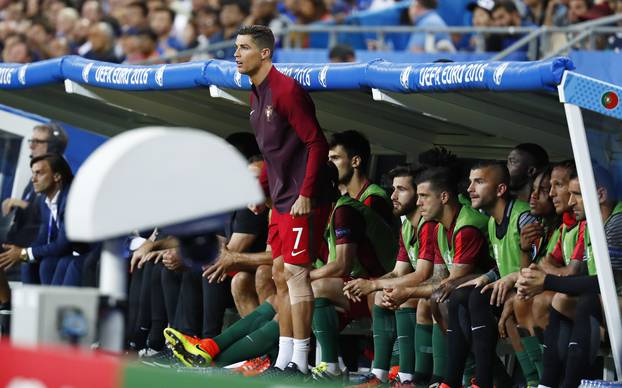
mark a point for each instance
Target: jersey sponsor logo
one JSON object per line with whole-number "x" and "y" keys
{"x": 269, "y": 110}
{"x": 6, "y": 75}
{"x": 498, "y": 76}
{"x": 86, "y": 71}
{"x": 322, "y": 76}
{"x": 405, "y": 76}
{"x": 21, "y": 74}
{"x": 294, "y": 254}
{"x": 159, "y": 76}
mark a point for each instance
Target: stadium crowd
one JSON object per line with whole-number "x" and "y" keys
{"x": 131, "y": 31}
{"x": 454, "y": 255}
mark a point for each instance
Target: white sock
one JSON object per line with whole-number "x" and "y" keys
{"x": 286, "y": 349}
{"x": 301, "y": 354}
{"x": 382, "y": 375}
{"x": 342, "y": 365}
{"x": 405, "y": 377}
{"x": 333, "y": 368}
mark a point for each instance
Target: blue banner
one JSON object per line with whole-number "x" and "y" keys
{"x": 402, "y": 77}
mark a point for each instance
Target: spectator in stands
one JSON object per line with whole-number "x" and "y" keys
{"x": 208, "y": 30}
{"x": 101, "y": 43}
{"x": 535, "y": 12}
{"x": 65, "y": 22}
{"x": 39, "y": 35}
{"x": 134, "y": 17}
{"x": 58, "y": 47}
{"x": 505, "y": 14}
{"x": 266, "y": 13}
{"x": 482, "y": 18}
{"x": 232, "y": 14}
{"x": 59, "y": 264}
{"x": 92, "y": 11}
{"x": 341, "y": 53}
{"x": 16, "y": 52}
{"x": 311, "y": 11}
{"x": 562, "y": 13}
{"x": 161, "y": 23}
{"x": 614, "y": 42}
{"x": 139, "y": 45}
{"x": 423, "y": 14}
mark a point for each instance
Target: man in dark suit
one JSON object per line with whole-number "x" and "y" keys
{"x": 59, "y": 264}
{"x": 46, "y": 138}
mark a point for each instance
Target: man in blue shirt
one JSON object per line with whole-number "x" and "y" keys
{"x": 423, "y": 14}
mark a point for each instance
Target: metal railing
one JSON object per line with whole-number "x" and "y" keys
{"x": 537, "y": 39}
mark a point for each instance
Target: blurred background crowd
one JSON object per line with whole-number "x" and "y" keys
{"x": 131, "y": 31}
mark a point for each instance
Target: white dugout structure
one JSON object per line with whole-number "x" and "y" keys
{"x": 477, "y": 110}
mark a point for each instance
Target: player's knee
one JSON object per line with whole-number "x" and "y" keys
{"x": 263, "y": 277}
{"x": 298, "y": 284}
{"x": 242, "y": 284}
{"x": 564, "y": 304}
{"x": 424, "y": 312}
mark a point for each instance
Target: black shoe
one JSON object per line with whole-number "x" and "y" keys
{"x": 291, "y": 373}
{"x": 163, "y": 359}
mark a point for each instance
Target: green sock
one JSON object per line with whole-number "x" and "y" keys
{"x": 534, "y": 350}
{"x": 255, "y": 344}
{"x": 326, "y": 329}
{"x": 469, "y": 370}
{"x": 262, "y": 314}
{"x": 383, "y": 326}
{"x": 423, "y": 351}
{"x": 439, "y": 346}
{"x": 529, "y": 370}
{"x": 395, "y": 351}
{"x": 406, "y": 319}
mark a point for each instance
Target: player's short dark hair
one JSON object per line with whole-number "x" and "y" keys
{"x": 355, "y": 144}
{"x": 602, "y": 179}
{"x": 245, "y": 143}
{"x": 501, "y": 167}
{"x": 58, "y": 165}
{"x": 440, "y": 179}
{"x": 438, "y": 157}
{"x": 406, "y": 170}
{"x": 508, "y": 5}
{"x": 539, "y": 156}
{"x": 568, "y": 165}
{"x": 261, "y": 35}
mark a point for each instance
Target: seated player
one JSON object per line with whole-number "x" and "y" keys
{"x": 537, "y": 240}
{"x": 359, "y": 233}
{"x": 475, "y": 305}
{"x": 414, "y": 265}
{"x": 576, "y": 312}
{"x": 461, "y": 244}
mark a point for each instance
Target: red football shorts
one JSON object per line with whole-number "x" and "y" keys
{"x": 298, "y": 239}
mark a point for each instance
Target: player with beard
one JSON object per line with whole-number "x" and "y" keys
{"x": 361, "y": 244}
{"x": 414, "y": 265}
